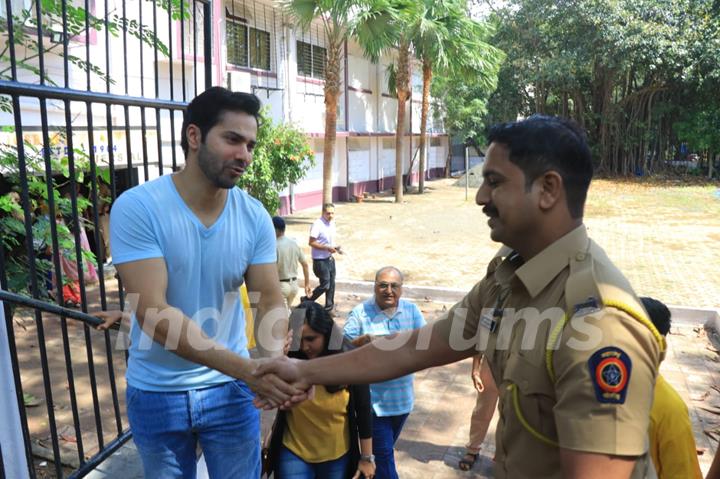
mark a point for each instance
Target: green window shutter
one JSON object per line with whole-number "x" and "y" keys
{"x": 237, "y": 47}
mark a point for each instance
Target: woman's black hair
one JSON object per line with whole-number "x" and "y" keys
{"x": 319, "y": 320}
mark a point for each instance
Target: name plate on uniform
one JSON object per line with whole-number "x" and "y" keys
{"x": 488, "y": 321}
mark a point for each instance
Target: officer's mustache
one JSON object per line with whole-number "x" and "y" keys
{"x": 490, "y": 211}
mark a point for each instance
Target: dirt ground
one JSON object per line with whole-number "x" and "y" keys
{"x": 664, "y": 237}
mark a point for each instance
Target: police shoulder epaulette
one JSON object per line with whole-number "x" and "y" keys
{"x": 593, "y": 284}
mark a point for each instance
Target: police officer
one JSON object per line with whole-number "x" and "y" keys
{"x": 570, "y": 347}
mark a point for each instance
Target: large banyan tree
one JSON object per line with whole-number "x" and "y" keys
{"x": 641, "y": 76}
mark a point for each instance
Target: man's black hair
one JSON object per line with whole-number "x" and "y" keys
{"x": 206, "y": 110}
{"x": 279, "y": 224}
{"x": 544, "y": 143}
{"x": 659, "y": 314}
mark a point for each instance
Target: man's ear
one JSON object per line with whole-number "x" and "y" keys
{"x": 552, "y": 189}
{"x": 194, "y": 136}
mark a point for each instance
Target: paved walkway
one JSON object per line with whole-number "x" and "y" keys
{"x": 432, "y": 440}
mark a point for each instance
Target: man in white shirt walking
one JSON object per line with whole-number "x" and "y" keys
{"x": 322, "y": 242}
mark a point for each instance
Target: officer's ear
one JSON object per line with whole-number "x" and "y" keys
{"x": 552, "y": 189}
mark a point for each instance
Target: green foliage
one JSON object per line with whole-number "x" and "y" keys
{"x": 282, "y": 156}
{"x": 636, "y": 74}
{"x": 12, "y": 215}
{"x": 467, "y": 77}
{"x": 78, "y": 21}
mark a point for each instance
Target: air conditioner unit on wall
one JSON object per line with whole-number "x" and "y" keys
{"x": 239, "y": 81}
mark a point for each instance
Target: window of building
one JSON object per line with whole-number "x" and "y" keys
{"x": 311, "y": 60}
{"x": 358, "y": 144}
{"x": 17, "y": 7}
{"x": 435, "y": 141}
{"x": 247, "y": 46}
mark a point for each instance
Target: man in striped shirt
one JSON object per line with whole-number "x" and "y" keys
{"x": 382, "y": 315}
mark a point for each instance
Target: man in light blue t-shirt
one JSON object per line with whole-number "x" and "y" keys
{"x": 382, "y": 315}
{"x": 183, "y": 245}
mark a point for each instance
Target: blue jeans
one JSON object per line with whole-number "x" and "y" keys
{"x": 386, "y": 431}
{"x": 291, "y": 466}
{"x": 167, "y": 427}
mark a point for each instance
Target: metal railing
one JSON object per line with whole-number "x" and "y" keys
{"x": 77, "y": 82}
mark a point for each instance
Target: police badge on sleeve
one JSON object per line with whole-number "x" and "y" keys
{"x": 610, "y": 370}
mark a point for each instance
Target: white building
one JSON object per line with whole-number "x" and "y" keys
{"x": 255, "y": 47}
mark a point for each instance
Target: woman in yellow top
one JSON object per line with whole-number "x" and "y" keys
{"x": 329, "y": 436}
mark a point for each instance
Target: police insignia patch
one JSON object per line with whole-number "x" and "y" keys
{"x": 610, "y": 370}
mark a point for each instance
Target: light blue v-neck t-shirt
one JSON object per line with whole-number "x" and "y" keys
{"x": 205, "y": 268}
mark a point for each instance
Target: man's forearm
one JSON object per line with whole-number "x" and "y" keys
{"x": 306, "y": 274}
{"x": 317, "y": 245}
{"x": 271, "y": 324}
{"x": 169, "y": 327}
{"x": 383, "y": 359}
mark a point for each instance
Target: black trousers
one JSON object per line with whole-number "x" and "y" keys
{"x": 324, "y": 269}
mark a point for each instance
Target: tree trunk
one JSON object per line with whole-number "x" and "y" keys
{"x": 402, "y": 79}
{"x": 427, "y": 80}
{"x": 332, "y": 90}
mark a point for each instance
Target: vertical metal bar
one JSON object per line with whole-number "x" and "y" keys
{"x": 182, "y": 48}
{"x": 66, "y": 69}
{"x": 155, "y": 47}
{"x": 87, "y": 41}
{"x": 143, "y": 140}
{"x": 80, "y": 263}
{"x": 170, "y": 46}
{"x": 108, "y": 347}
{"x": 125, "y": 49}
{"x": 58, "y": 278}
{"x": 207, "y": 37}
{"x": 172, "y": 87}
{"x": 128, "y": 147}
{"x": 111, "y": 151}
{"x": 11, "y": 40}
{"x": 107, "y": 49}
{"x": 158, "y": 130}
{"x": 195, "y": 45}
{"x": 141, "y": 44}
{"x": 40, "y": 47}
{"x": 101, "y": 272}
{"x": 25, "y": 200}
{"x": 66, "y": 338}
{"x": 172, "y": 140}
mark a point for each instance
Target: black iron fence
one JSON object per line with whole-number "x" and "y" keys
{"x": 90, "y": 94}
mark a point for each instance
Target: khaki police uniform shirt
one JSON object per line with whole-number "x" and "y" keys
{"x": 289, "y": 254}
{"x": 604, "y": 366}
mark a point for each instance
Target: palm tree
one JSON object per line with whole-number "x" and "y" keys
{"x": 445, "y": 38}
{"x": 370, "y": 22}
{"x": 402, "y": 92}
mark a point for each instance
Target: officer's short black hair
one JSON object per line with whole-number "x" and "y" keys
{"x": 543, "y": 143}
{"x": 279, "y": 224}
{"x": 659, "y": 314}
{"x": 206, "y": 110}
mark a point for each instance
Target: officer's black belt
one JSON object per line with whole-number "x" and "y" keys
{"x": 287, "y": 280}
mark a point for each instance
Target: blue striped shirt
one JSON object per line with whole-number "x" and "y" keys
{"x": 394, "y": 397}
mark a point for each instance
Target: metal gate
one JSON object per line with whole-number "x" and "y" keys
{"x": 90, "y": 93}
